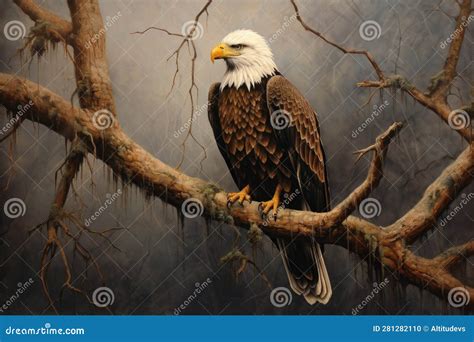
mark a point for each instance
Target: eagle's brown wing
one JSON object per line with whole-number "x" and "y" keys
{"x": 301, "y": 139}
{"x": 302, "y": 257}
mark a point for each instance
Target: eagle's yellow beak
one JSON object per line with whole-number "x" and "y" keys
{"x": 222, "y": 50}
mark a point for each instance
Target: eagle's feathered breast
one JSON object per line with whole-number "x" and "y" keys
{"x": 251, "y": 143}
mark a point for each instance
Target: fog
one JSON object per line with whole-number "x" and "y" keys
{"x": 156, "y": 263}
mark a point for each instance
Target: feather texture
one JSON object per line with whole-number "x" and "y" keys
{"x": 261, "y": 156}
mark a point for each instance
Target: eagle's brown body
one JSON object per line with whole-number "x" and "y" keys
{"x": 252, "y": 146}
{"x": 264, "y": 157}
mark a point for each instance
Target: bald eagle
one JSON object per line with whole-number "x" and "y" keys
{"x": 269, "y": 137}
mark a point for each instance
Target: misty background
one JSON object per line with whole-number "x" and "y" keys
{"x": 158, "y": 263}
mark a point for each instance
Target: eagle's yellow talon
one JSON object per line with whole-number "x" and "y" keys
{"x": 239, "y": 197}
{"x": 265, "y": 207}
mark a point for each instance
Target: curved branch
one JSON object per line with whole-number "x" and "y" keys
{"x": 436, "y": 198}
{"x": 430, "y": 275}
{"x": 134, "y": 165}
{"x": 455, "y": 254}
{"x": 437, "y": 105}
{"x": 436, "y": 96}
{"x": 39, "y": 14}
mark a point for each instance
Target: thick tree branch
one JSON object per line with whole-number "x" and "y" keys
{"x": 431, "y": 275}
{"x": 436, "y": 96}
{"x": 455, "y": 254}
{"x": 90, "y": 60}
{"x": 38, "y": 14}
{"x": 436, "y": 198}
{"x": 95, "y": 94}
{"x": 135, "y": 165}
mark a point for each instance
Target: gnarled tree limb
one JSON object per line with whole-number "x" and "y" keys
{"x": 135, "y": 165}
{"x": 37, "y": 13}
{"x": 436, "y": 100}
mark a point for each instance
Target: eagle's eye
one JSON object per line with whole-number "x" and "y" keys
{"x": 237, "y": 46}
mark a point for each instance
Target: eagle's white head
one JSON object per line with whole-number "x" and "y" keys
{"x": 248, "y": 58}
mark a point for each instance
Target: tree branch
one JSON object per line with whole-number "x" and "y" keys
{"x": 134, "y": 165}
{"x": 37, "y": 13}
{"x": 437, "y": 105}
{"x": 367, "y": 54}
{"x": 441, "y": 88}
{"x": 434, "y": 100}
{"x": 455, "y": 254}
{"x": 436, "y": 96}
{"x": 55, "y": 222}
{"x": 154, "y": 178}
{"x": 436, "y": 198}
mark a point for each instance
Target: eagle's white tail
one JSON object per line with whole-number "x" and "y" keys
{"x": 306, "y": 270}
